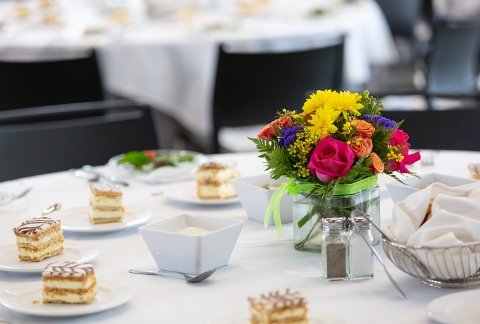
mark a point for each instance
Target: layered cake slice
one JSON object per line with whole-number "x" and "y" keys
{"x": 39, "y": 238}
{"x": 106, "y": 204}
{"x": 68, "y": 283}
{"x": 278, "y": 307}
{"x": 214, "y": 181}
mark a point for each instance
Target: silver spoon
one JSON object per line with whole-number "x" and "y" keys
{"x": 22, "y": 193}
{"x": 50, "y": 209}
{"x": 189, "y": 278}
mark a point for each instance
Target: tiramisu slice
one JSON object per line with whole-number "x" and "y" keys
{"x": 39, "y": 238}
{"x": 214, "y": 181}
{"x": 284, "y": 306}
{"x": 69, "y": 283}
{"x": 106, "y": 204}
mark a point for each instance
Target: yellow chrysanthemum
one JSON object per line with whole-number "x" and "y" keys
{"x": 347, "y": 102}
{"x": 318, "y": 100}
{"x": 323, "y": 122}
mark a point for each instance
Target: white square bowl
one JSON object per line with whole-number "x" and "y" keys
{"x": 191, "y": 254}
{"x": 399, "y": 191}
{"x": 254, "y": 197}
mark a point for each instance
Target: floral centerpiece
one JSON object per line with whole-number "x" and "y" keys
{"x": 331, "y": 153}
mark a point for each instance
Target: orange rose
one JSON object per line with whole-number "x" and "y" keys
{"x": 377, "y": 164}
{"x": 267, "y": 132}
{"x": 362, "y": 147}
{"x": 284, "y": 122}
{"x": 364, "y": 129}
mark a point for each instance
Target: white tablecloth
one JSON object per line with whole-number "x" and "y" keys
{"x": 259, "y": 262}
{"x": 171, "y": 64}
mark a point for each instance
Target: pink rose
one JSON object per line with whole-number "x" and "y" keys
{"x": 331, "y": 159}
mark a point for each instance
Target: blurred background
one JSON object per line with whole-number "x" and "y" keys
{"x": 213, "y": 71}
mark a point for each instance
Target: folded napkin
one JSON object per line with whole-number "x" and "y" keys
{"x": 455, "y": 216}
{"x": 454, "y": 219}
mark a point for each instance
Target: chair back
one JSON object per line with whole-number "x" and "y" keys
{"x": 453, "y": 129}
{"x": 402, "y": 15}
{"x": 50, "y": 82}
{"x": 452, "y": 65}
{"x": 250, "y": 87}
{"x": 48, "y": 139}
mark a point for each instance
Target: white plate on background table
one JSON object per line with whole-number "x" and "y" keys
{"x": 164, "y": 174}
{"x": 73, "y": 251}
{"x": 315, "y": 317}
{"x": 187, "y": 193}
{"x": 27, "y": 299}
{"x": 457, "y": 308}
{"x": 77, "y": 220}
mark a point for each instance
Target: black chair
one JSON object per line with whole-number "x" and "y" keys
{"x": 402, "y": 16}
{"x": 52, "y": 138}
{"x": 455, "y": 129}
{"x": 452, "y": 64}
{"x": 40, "y": 83}
{"x": 251, "y": 87}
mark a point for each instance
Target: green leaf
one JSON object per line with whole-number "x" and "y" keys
{"x": 136, "y": 158}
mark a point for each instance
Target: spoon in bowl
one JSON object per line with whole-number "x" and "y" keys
{"x": 189, "y": 278}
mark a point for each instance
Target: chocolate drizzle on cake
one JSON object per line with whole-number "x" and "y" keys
{"x": 213, "y": 166}
{"x": 279, "y": 299}
{"x": 68, "y": 269}
{"x": 35, "y": 225}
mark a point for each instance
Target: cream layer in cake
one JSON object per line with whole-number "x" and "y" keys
{"x": 106, "y": 204}
{"x": 105, "y": 214}
{"x": 223, "y": 191}
{"x": 214, "y": 181}
{"x": 69, "y": 282}
{"x": 285, "y": 306}
{"x": 38, "y": 239}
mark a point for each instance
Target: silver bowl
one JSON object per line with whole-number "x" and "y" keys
{"x": 446, "y": 267}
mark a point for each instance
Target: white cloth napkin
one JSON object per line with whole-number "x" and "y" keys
{"x": 455, "y": 216}
{"x": 455, "y": 219}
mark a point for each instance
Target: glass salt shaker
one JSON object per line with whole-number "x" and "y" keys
{"x": 361, "y": 255}
{"x": 335, "y": 248}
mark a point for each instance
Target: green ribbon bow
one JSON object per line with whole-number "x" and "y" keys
{"x": 294, "y": 188}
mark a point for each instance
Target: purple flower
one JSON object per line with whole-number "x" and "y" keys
{"x": 289, "y": 135}
{"x": 381, "y": 121}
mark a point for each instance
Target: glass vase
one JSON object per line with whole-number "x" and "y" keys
{"x": 310, "y": 209}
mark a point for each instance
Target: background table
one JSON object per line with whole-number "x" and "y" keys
{"x": 170, "y": 62}
{"x": 259, "y": 263}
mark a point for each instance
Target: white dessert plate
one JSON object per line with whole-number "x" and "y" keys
{"x": 244, "y": 317}
{"x": 27, "y": 299}
{"x": 5, "y": 198}
{"x": 457, "y": 308}
{"x": 181, "y": 171}
{"x": 187, "y": 193}
{"x": 78, "y": 252}
{"x": 76, "y": 220}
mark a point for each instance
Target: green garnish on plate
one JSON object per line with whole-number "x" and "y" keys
{"x": 148, "y": 160}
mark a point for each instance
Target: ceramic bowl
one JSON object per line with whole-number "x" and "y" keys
{"x": 175, "y": 248}
{"x": 255, "y": 193}
{"x": 399, "y": 191}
